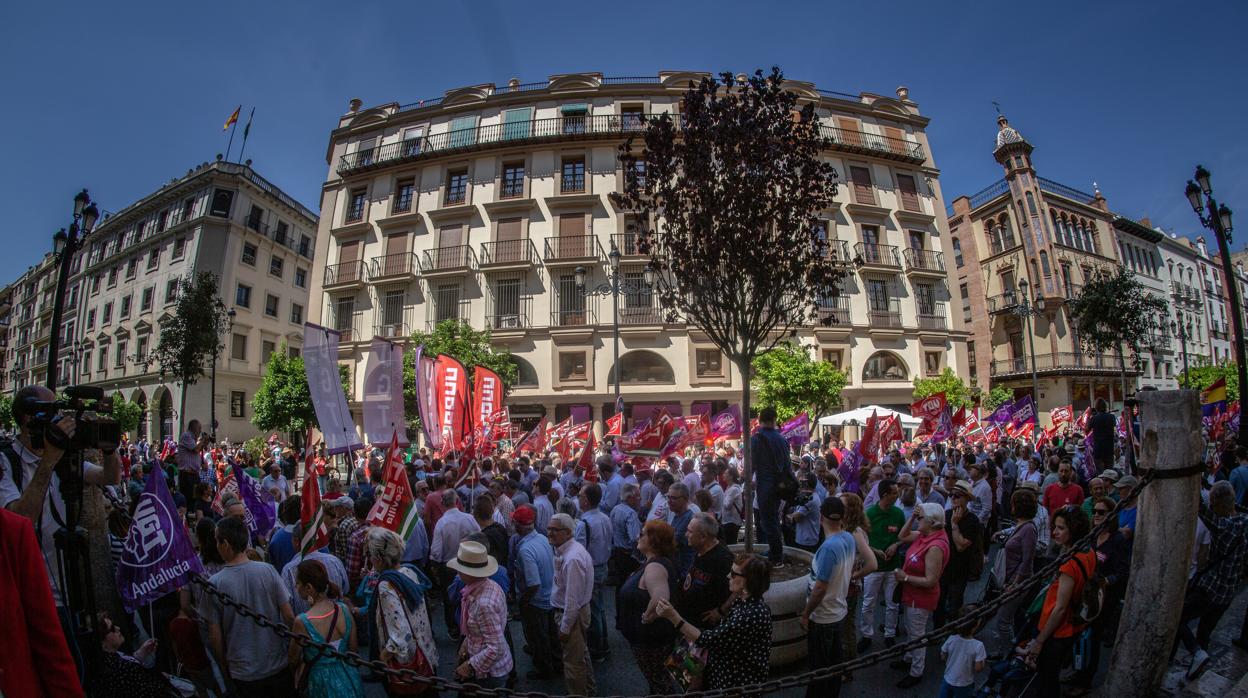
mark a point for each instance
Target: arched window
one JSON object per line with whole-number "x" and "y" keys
{"x": 526, "y": 375}
{"x": 643, "y": 367}
{"x": 1031, "y": 204}
{"x": 1057, "y": 228}
{"x": 885, "y": 366}
{"x": 957, "y": 252}
{"x": 1044, "y": 264}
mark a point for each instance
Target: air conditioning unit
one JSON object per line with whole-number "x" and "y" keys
{"x": 509, "y": 322}
{"x": 389, "y": 331}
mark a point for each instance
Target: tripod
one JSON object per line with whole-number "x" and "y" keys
{"x": 73, "y": 557}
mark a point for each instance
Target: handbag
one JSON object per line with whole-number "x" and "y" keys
{"x": 419, "y": 663}
{"x": 686, "y": 664}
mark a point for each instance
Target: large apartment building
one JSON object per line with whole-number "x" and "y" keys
{"x": 220, "y": 217}
{"x": 481, "y": 204}
{"x": 27, "y": 329}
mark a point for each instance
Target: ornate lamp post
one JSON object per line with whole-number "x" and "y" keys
{"x": 1026, "y": 310}
{"x": 1181, "y": 328}
{"x": 1218, "y": 219}
{"x": 65, "y": 245}
{"x": 614, "y": 286}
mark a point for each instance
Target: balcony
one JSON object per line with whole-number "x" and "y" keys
{"x": 878, "y": 256}
{"x": 1003, "y": 303}
{"x": 561, "y": 128}
{"x": 639, "y": 313}
{"x": 629, "y": 245}
{"x": 573, "y": 249}
{"x": 585, "y": 316}
{"x": 933, "y": 318}
{"x": 344, "y": 275}
{"x": 1002, "y": 244}
{"x": 838, "y": 252}
{"x": 864, "y": 143}
{"x": 392, "y": 330}
{"x": 449, "y": 261}
{"x": 833, "y": 312}
{"x": 402, "y": 265}
{"x": 885, "y": 316}
{"x": 1061, "y": 363}
{"x": 352, "y": 330}
{"x": 42, "y": 334}
{"x": 924, "y": 262}
{"x": 508, "y": 254}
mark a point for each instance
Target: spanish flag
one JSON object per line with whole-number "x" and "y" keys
{"x": 233, "y": 118}
{"x": 1213, "y": 398}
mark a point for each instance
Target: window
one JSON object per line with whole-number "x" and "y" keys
{"x": 171, "y": 291}
{"x": 957, "y": 252}
{"x": 355, "y": 205}
{"x": 153, "y": 258}
{"x": 643, "y": 367}
{"x": 456, "y": 187}
{"x": 505, "y": 294}
{"x": 970, "y": 360}
{"x": 294, "y": 352}
{"x": 86, "y": 361}
{"x": 296, "y": 313}
{"x": 305, "y": 246}
{"x": 931, "y": 363}
{"x": 276, "y": 265}
{"x": 90, "y": 319}
{"x": 574, "y": 117}
{"x": 925, "y": 299}
{"x": 631, "y": 118}
{"x": 572, "y": 366}
{"x": 132, "y": 267}
{"x": 966, "y": 303}
{"x": 254, "y": 217}
{"x": 884, "y": 366}
{"x": 909, "y": 192}
{"x": 141, "y": 354}
{"x": 301, "y": 277}
{"x": 864, "y": 192}
{"x": 222, "y": 202}
{"x": 249, "y": 254}
{"x": 573, "y": 179}
{"x": 266, "y": 350}
{"x": 125, "y": 308}
{"x": 242, "y": 296}
{"x": 710, "y": 363}
{"x": 112, "y": 277}
{"x": 101, "y": 359}
{"x": 188, "y": 209}
{"x": 107, "y": 316}
{"x": 95, "y": 284}
{"x": 446, "y": 302}
{"x": 279, "y": 235}
{"x": 270, "y": 304}
{"x": 517, "y": 123}
{"x": 833, "y": 356}
{"x": 67, "y": 337}
{"x": 162, "y": 220}
{"x": 411, "y": 141}
{"x": 403, "y": 196}
{"x": 120, "y": 360}
{"x": 238, "y": 347}
{"x": 513, "y": 180}
{"x": 179, "y": 248}
{"x": 237, "y": 400}
{"x": 463, "y": 131}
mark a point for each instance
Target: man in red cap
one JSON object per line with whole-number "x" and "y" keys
{"x": 533, "y": 568}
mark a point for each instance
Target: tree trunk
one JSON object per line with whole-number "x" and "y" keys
{"x": 182, "y": 411}
{"x": 747, "y": 475}
{"x": 1170, "y": 426}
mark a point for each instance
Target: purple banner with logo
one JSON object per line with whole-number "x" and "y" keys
{"x": 1001, "y": 415}
{"x": 727, "y": 424}
{"x": 426, "y": 399}
{"x": 320, "y": 364}
{"x": 847, "y": 471}
{"x": 158, "y": 556}
{"x": 1023, "y": 412}
{"x": 383, "y": 393}
{"x": 796, "y": 430}
{"x": 258, "y": 506}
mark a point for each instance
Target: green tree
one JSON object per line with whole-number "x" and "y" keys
{"x": 283, "y": 402}
{"x": 1201, "y": 377}
{"x": 459, "y": 340}
{"x": 948, "y": 382}
{"x": 1115, "y": 312}
{"x": 788, "y": 378}
{"x": 994, "y": 399}
{"x": 189, "y": 339}
{"x": 128, "y": 415}
{"x": 6, "y": 411}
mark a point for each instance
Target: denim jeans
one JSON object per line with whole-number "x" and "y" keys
{"x": 769, "y": 523}
{"x": 823, "y": 644}
{"x": 599, "y": 645}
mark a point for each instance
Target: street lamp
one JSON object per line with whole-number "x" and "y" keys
{"x": 1218, "y": 219}
{"x": 614, "y": 286}
{"x": 1181, "y": 329}
{"x": 1027, "y": 310}
{"x": 216, "y": 353}
{"x": 65, "y": 245}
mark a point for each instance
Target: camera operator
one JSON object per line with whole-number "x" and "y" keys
{"x": 31, "y": 488}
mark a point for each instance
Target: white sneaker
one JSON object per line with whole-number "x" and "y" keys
{"x": 1199, "y": 660}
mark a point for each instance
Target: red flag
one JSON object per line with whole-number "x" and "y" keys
{"x": 867, "y": 447}
{"x": 315, "y": 534}
{"x": 535, "y": 440}
{"x": 1082, "y": 422}
{"x": 487, "y": 396}
{"x": 890, "y": 431}
{"x": 585, "y": 461}
{"x": 576, "y": 435}
{"x": 615, "y": 424}
{"x": 1061, "y": 415}
{"x": 929, "y": 410}
{"x": 454, "y": 416}
{"x": 395, "y": 506}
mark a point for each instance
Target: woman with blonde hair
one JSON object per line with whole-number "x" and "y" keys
{"x": 855, "y": 522}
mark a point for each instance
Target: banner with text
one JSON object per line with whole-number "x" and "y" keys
{"x": 320, "y": 364}
{"x": 383, "y": 393}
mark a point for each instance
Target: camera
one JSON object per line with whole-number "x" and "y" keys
{"x": 94, "y": 428}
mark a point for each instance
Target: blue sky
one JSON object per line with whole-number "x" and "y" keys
{"x": 120, "y": 97}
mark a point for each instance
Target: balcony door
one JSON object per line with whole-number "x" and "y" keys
{"x": 392, "y": 313}
{"x": 571, "y": 302}
{"x": 572, "y": 242}
{"x": 450, "y": 242}
{"x": 348, "y": 256}
{"x": 395, "y": 259}
{"x": 506, "y": 295}
{"x": 877, "y": 295}
{"x": 1017, "y": 353}
{"x": 509, "y": 240}
{"x": 517, "y": 123}
{"x": 909, "y": 192}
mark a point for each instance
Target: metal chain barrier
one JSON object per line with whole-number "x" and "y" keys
{"x": 982, "y": 613}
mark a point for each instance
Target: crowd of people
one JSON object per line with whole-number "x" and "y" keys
{"x": 894, "y": 548}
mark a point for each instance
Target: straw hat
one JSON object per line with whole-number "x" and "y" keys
{"x": 473, "y": 561}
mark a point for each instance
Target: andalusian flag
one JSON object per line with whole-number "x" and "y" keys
{"x": 395, "y": 507}
{"x": 311, "y": 518}
{"x": 233, "y": 118}
{"x": 1213, "y": 398}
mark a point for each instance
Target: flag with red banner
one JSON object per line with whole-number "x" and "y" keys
{"x": 890, "y": 431}
{"x": 455, "y": 419}
{"x": 585, "y": 459}
{"x": 535, "y": 440}
{"x": 311, "y": 518}
{"x": 649, "y": 439}
{"x": 615, "y": 424}
{"x": 575, "y": 435}
{"x": 960, "y": 419}
{"x": 395, "y": 507}
{"x": 557, "y": 433}
{"x": 1061, "y": 415}
{"x": 1082, "y": 422}
{"x": 487, "y": 397}
{"x": 868, "y": 445}
{"x": 929, "y": 409}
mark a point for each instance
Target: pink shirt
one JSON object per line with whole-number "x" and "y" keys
{"x": 483, "y": 617}
{"x": 916, "y": 566}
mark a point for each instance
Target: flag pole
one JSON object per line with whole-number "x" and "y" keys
{"x": 246, "y": 132}
{"x": 233, "y": 128}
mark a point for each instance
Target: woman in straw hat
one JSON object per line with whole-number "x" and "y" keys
{"x": 484, "y": 658}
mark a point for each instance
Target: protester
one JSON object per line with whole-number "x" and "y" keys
{"x": 327, "y": 621}
{"x": 625, "y": 530}
{"x": 127, "y": 676}
{"x": 919, "y": 577}
{"x": 398, "y": 607}
{"x": 732, "y": 514}
{"x": 1017, "y": 558}
{"x": 1214, "y": 588}
{"x": 571, "y": 597}
{"x": 1049, "y": 651}
{"x": 884, "y": 525}
{"x": 484, "y": 656}
{"x": 770, "y": 456}
{"x": 636, "y": 610}
{"x": 739, "y": 646}
{"x": 855, "y": 522}
{"x": 826, "y": 606}
{"x": 1113, "y": 562}
{"x": 964, "y": 656}
{"x": 965, "y": 553}
{"x": 594, "y": 532}
{"x": 534, "y": 575}
{"x": 704, "y": 590}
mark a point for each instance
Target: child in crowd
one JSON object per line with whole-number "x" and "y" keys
{"x": 964, "y": 656}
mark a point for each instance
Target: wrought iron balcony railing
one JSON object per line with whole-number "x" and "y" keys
{"x": 885, "y": 315}
{"x": 344, "y": 273}
{"x": 452, "y": 258}
{"x": 1003, "y": 302}
{"x": 509, "y": 252}
{"x": 873, "y": 144}
{"x": 833, "y": 312}
{"x": 923, "y": 260}
{"x": 398, "y": 264}
{"x": 878, "y": 255}
{"x": 572, "y": 247}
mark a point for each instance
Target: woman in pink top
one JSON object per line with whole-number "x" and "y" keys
{"x": 920, "y": 583}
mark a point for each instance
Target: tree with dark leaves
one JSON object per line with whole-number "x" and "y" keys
{"x": 188, "y": 338}
{"x": 727, "y": 198}
{"x": 1115, "y": 312}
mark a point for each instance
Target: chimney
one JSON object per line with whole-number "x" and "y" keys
{"x": 1146, "y": 222}
{"x": 903, "y": 93}
{"x": 355, "y": 105}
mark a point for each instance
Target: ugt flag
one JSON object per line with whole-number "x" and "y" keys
{"x": 260, "y": 511}
{"x": 158, "y": 556}
{"x": 796, "y": 430}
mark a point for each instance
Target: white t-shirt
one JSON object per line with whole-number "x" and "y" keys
{"x": 961, "y": 653}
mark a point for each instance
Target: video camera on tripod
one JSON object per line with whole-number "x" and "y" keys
{"x": 90, "y": 409}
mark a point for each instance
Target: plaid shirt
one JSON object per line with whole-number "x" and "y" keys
{"x": 482, "y": 621}
{"x": 341, "y": 537}
{"x": 1228, "y": 554}
{"x": 356, "y": 559}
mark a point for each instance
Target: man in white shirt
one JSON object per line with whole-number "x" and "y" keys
{"x": 573, "y": 591}
{"x": 452, "y": 528}
{"x": 189, "y": 458}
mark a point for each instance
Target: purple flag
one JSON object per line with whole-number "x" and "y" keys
{"x": 727, "y": 423}
{"x": 637, "y": 429}
{"x": 158, "y": 556}
{"x": 426, "y": 399}
{"x": 260, "y": 513}
{"x": 1023, "y": 412}
{"x": 1001, "y": 415}
{"x": 944, "y": 426}
{"x": 848, "y": 470}
{"x": 797, "y": 430}
{"x": 383, "y": 393}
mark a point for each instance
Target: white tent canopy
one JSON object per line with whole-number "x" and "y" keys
{"x": 862, "y": 414}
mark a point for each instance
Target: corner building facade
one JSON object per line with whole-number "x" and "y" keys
{"x": 480, "y": 205}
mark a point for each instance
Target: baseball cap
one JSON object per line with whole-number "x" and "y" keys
{"x": 1109, "y": 474}
{"x": 524, "y": 515}
{"x": 1127, "y": 482}
{"x": 832, "y": 508}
